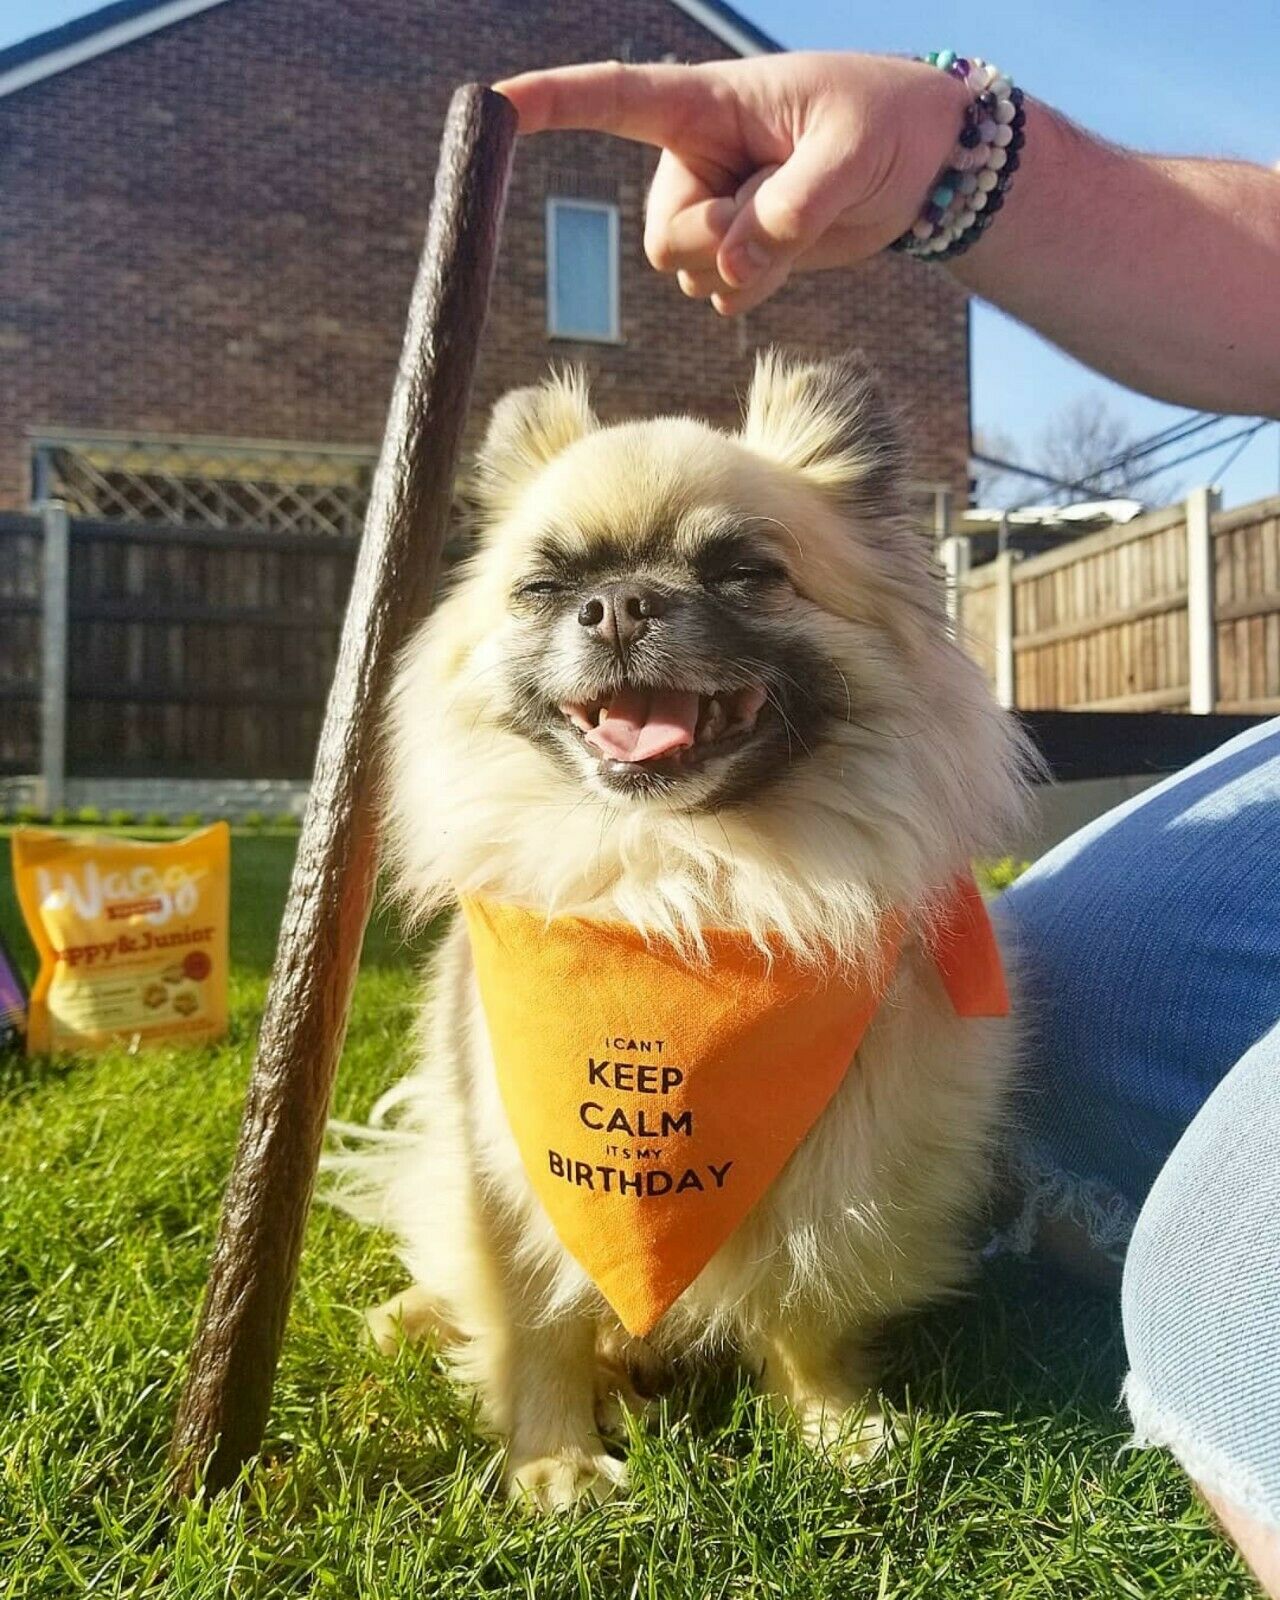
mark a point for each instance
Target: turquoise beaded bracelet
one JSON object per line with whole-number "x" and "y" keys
{"x": 970, "y": 189}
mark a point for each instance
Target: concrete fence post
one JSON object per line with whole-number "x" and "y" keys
{"x": 1006, "y": 678}
{"x": 955, "y": 553}
{"x": 1202, "y": 641}
{"x": 53, "y": 653}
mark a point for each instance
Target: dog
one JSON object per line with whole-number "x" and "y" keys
{"x": 692, "y": 679}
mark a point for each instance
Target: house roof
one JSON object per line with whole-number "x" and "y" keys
{"x": 111, "y": 26}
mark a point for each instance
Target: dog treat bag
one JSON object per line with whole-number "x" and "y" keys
{"x": 132, "y": 936}
{"x": 654, "y": 1100}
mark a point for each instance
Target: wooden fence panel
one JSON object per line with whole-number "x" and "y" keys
{"x": 1102, "y": 620}
{"x": 21, "y": 562}
{"x": 200, "y": 653}
{"x": 1247, "y": 613}
{"x": 978, "y": 620}
{"x": 1103, "y": 624}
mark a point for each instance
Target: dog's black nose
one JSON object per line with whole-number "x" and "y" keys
{"x": 621, "y": 612}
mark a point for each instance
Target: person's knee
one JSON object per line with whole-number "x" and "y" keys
{"x": 1201, "y": 1294}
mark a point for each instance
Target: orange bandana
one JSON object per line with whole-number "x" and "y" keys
{"x": 653, "y": 1100}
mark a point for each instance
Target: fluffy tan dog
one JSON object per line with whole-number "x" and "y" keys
{"x": 692, "y": 679}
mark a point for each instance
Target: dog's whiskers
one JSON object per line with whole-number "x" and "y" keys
{"x": 789, "y": 726}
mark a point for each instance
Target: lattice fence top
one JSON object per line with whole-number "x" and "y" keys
{"x": 215, "y": 483}
{"x": 243, "y": 483}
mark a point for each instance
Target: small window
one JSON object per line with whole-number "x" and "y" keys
{"x": 582, "y": 270}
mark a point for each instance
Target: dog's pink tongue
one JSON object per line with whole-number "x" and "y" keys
{"x": 641, "y": 724}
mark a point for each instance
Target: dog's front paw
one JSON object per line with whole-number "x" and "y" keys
{"x": 614, "y": 1406}
{"x": 564, "y": 1480}
{"x": 407, "y": 1318}
{"x": 630, "y": 1378}
{"x": 846, "y": 1433}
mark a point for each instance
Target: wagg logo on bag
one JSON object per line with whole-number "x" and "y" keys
{"x": 142, "y": 892}
{"x": 132, "y": 936}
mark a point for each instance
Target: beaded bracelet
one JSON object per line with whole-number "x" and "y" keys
{"x": 970, "y": 189}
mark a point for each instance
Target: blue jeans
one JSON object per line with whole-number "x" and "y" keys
{"x": 1148, "y": 951}
{"x": 1202, "y": 1293}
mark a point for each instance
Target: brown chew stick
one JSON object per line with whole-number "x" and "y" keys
{"x": 224, "y": 1406}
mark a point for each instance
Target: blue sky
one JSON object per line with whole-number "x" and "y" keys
{"x": 1168, "y": 75}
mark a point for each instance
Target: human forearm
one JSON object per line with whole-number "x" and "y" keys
{"x": 1162, "y": 273}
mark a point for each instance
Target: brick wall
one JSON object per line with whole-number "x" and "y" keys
{"x": 213, "y": 231}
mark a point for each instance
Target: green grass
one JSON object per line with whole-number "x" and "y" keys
{"x": 1009, "y": 1482}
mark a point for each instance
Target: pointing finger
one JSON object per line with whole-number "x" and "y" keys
{"x": 651, "y": 104}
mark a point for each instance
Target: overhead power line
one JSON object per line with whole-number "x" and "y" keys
{"x": 1245, "y": 433}
{"x": 1240, "y": 448}
{"x": 1171, "y": 434}
{"x": 1163, "y": 440}
{"x": 1177, "y": 433}
{"x": 1030, "y": 472}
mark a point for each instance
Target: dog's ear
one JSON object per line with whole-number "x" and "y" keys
{"x": 529, "y": 428}
{"x": 829, "y": 422}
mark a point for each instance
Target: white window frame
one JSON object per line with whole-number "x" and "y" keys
{"x": 614, "y": 335}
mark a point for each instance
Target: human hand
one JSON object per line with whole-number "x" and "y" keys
{"x": 769, "y": 166}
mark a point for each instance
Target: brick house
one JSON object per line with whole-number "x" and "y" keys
{"x": 211, "y": 216}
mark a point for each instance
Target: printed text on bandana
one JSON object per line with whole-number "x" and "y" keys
{"x": 642, "y": 1146}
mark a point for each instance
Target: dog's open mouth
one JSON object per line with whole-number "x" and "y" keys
{"x": 674, "y": 727}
